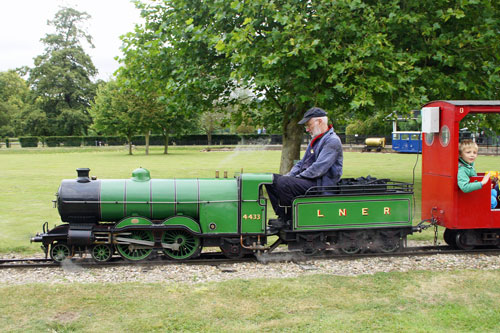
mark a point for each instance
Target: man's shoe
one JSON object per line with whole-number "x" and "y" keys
{"x": 277, "y": 223}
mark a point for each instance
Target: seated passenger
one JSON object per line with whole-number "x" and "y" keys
{"x": 468, "y": 154}
{"x": 320, "y": 166}
{"x": 494, "y": 192}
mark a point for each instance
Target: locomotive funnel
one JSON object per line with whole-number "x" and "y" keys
{"x": 83, "y": 175}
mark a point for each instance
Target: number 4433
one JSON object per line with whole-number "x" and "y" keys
{"x": 251, "y": 217}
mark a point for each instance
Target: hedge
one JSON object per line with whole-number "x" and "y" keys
{"x": 154, "y": 140}
{"x": 28, "y": 141}
{"x": 67, "y": 141}
{"x": 94, "y": 140}
{"x": 116, "y": 140}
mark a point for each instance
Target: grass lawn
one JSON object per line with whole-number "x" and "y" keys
{"x": 457, "y": 301}
{"x": 31, "y": 177}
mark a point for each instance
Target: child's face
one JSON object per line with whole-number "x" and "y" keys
{"x": 469, "y": 154}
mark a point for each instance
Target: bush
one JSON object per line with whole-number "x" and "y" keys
{"x": 225, "y": 139}
{"x": 139, "y": 140}
{"x": 94, "y": 140}
{"x": 71, "y": 141}
{"x": 52, "y": 141}
{"x": 67, "y": 141}
{"x": 255, "y": 139}
{"x": 276, "y": 139}
{"x": 116, "y": 140}
{"x": 156, "y": 140}
{"x": 28, "y": 141}
{"x": 188, "y": 140}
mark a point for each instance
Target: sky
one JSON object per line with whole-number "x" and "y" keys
{"x": 24, "y": 22}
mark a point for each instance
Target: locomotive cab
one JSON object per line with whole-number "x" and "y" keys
{"x": 467, "y": 217}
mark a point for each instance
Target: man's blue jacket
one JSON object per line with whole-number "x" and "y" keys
{"x": 322, "y": 161}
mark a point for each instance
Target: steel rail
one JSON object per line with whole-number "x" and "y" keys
{"x": 217, "y": 258}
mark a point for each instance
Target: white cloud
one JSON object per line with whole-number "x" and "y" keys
{"x": 24, "y": 22}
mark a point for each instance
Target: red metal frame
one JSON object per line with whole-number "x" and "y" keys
{"x": 441, "y": 197}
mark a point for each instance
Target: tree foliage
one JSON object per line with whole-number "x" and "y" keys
{"x": 351, "y": 57}
{"x": 61, "y": 79}
{"x": 14, "y": 94}
{"x": 114, "y": 111}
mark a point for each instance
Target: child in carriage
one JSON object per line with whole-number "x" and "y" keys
{"x": 468, "y": 153}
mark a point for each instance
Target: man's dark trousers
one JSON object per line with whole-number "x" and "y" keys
{"x": 282, "y": 191}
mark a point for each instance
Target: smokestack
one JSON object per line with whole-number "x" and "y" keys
{"x": 83, "y": 175}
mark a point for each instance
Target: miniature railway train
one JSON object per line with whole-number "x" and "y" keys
{"x": 140, "y": 217}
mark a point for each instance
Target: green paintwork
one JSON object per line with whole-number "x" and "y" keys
{"x": 59, "y": 252}
{"x": 163, "y": 190}
{"x": 327, "y": 212}
{"x": 112, "y": 199}
{"x": 184, "y": 221}
{"x": 189, "y": 244}
{"x": 141, "y": 175}
{"x": 138, "y": 191}
{"x": 253, "y": 214}
{"x": 101, "y": 252}
{"x": 134, "y": 221}
{"x": 214, "y": 203}
{"x": 132, "y": 253}
{"x": 250, "y": 183}
{"x": 187, "y": 196}
{"x": 219, "y": 205}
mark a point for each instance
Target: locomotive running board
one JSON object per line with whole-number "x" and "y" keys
{"x": 124, "y": 240}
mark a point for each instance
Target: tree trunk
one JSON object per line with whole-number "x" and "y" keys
{"x": 129, "y": 145}
{"x": 147, "y": 142}
{"x": 209, "y": 138}
{"x": 292, "y": 138}
{"x": 165, "y": 151}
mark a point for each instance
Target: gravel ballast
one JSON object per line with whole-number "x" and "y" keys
{"x": 192, "y": 274}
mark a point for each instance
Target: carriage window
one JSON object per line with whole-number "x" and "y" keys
{"x": 415, "y": 136}
{"x": 405, "y": 136}
{"x": 395, "y": 136}
{"x": 429, "y": 138}
{"x": 444, "y": 136}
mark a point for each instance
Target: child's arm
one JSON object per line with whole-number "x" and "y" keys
{"x": 467, "y": 186}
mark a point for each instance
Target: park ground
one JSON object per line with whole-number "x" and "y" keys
{"x": 420, "y": 301}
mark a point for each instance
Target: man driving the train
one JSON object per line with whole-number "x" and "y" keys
{"x": 320, "y": 166}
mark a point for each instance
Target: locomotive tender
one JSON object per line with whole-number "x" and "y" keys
{"x": 140, "y": 216}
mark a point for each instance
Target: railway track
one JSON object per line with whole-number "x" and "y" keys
{"x": 219, "y": 259}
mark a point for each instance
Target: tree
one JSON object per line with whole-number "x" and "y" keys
{"x": 14, "y": 93}
{"x": 114, "y": 111}
{"x": 211, "y": 121}
{"x": 61, "y": 79}
{"x": 147, "y": 70}
{"x": 352, "y": 58}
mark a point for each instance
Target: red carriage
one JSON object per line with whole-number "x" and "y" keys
{"x": 467, "y": 217}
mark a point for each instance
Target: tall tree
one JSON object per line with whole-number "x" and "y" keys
{"x": 14, "y": 93}
{"x": 147, "y": 68}
{"x": 61, "y": 79}
{"x": 115, "y": 111}
{"x": 351, "y": 57}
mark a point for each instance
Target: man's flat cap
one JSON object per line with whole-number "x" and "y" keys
{"x": 312, "y": 113}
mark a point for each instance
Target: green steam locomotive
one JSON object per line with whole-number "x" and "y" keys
{"x": 141, "y": 217}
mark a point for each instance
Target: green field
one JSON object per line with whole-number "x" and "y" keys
{"x": 457, "y": 301}
{"x": 31, "y": 177}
